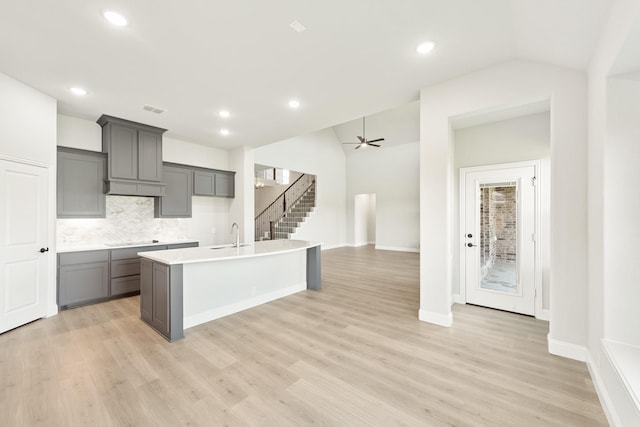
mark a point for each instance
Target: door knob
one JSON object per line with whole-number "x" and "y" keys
{"x": 470, "y": 245}
{"x": 469, "y": 235}
{"x": 43, "y": 250}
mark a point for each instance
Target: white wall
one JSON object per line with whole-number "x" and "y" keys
{"x": 188, "y": 153}
{"x": 209, "y": 223}
{"x": 319, "y": 154}
{"x": 610, "y": 382}
{"x": 506, "y": 141}
{"x": 28, "y": 133}
{"x": 241, "y": 209}
{"x": 79, "y": 133}
{"x": 392, "y": 173}
{"x": 622, "y": 212}
{"x": 509, "y": 84}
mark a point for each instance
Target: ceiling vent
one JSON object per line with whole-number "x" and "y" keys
{"x": 153, "y": 109}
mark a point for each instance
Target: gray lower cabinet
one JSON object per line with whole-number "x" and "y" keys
{"x": 83, "y": 277}
{"x": 176, "y": 203}
{"x": 80, "y": 184}
{"x": 86, "y": 277}
{"x": 125, "y": 269}
{"x": 161, "y": 298}
{"x": 214, "y": 183}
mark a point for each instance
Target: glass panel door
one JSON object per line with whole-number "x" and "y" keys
{"x": 499, "y": 237}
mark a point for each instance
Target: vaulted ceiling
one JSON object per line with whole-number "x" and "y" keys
{"x": 196, "y": 57}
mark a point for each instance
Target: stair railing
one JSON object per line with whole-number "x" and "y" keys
{"x": 266, "y": 220}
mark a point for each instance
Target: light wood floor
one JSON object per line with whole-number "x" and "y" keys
{"x": 352, "y": 354}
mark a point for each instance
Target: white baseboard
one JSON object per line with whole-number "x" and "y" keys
{"x": 445, "y": 320}
{"x": 218, "y": 312}
{"x": 357, "y": 245}
{"x": 396, "y": 248}
{"x": 457, "y": 299}
{"x": 544, "y": 315}
{"x": 568, "y": 350}
{"x": 603, "y": 395}
{"x": 326, "y": 247}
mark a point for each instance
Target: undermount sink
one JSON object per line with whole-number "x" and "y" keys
{"x": 230, "y": 246}
{"x": 133, "y": 243}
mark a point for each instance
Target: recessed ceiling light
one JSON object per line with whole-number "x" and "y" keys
{"x": 425, "y": 47}
{"x": 224, "y": 132}
{"x": 297, "y": 26}
{"x": 294, "y": 103}
{"x": 115, "y": 18}
{"x": 78, "y": 91}
{"x": 224, "y": 114}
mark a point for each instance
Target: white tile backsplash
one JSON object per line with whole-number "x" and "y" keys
{"x": 128, "y": 219}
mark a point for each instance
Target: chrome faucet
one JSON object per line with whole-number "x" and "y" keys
{"x": 237, "y": 243}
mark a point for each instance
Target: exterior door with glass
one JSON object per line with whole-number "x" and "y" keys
{"x": 499, "y": 234}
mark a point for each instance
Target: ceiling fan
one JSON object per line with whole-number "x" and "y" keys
{"x": 363, "y": 139}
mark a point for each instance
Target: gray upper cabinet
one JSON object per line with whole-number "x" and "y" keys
{"x": 134, "y": 162}
{"x": 225, "y": 186}
{"x": 204, "y": 183}
{"x": 80, "y": 184}
{"x": 123, "y": 152}
{"x": 214, "y": 183}
{"x": 150, "y": 156}
{"x": 176, "y": 203}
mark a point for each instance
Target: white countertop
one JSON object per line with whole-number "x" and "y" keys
{"x": 227, "y": 252}
{"x": 104, "y": 246}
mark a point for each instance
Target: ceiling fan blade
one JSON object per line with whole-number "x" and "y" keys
{"x": 361, "y": 139}
{"x": 352, "y": 143}
{"x": 374, "y": 145}
{"x": 359, "y": 145}
{"x": 376, "y": 140}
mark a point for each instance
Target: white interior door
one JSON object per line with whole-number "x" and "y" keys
{"x": 499, "y": 238}
{"x": 23, "y": 233}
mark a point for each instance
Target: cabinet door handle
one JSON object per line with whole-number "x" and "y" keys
{"x": 43, "y": 250}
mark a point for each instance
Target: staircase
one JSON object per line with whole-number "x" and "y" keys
{"x": 286, "y": 226}
{"x": 285, "y": 214}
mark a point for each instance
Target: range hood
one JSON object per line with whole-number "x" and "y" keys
{"x": 134, "y": 157}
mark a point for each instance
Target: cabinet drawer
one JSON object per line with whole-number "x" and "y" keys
{"x": 123, "y": 285}
{"x": 125, "y": 267}
{"x": 130, "y": 253}
{"x": 70, "y": 258}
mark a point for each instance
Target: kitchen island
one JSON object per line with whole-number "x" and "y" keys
{"x": 182, "y": 288}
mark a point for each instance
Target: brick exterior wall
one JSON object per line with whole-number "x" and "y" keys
{"x": 498, "y": 225}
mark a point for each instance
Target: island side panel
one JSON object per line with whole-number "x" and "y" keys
{"x": 176, "y": 313}
{"x": 146, "y": 290}
{"x": 218, "y": 288}
{"x": 314, "y": 266}
{"x": 161, "y": 298}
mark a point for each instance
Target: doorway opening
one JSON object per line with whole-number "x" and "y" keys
{"x": 364, "y": 217}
